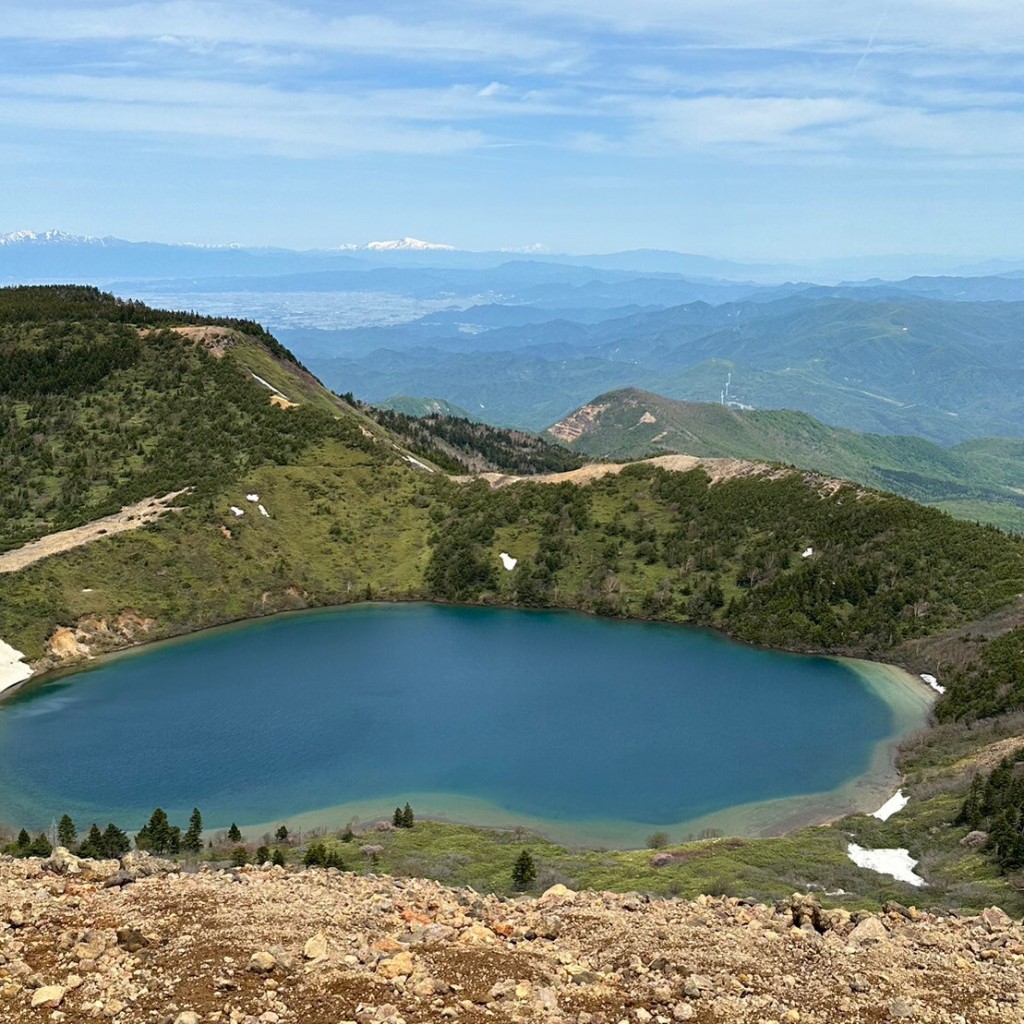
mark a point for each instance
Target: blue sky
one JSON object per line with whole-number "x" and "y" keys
{"x": 731, "y": 127}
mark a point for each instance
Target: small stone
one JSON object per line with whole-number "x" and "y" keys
{"x": 262, "y": 962}
{"x": 315, "y": 947}
{"x": 48, "y": 996}
{"x": 396, "y": 966}
{"x": 683, "y": 1011}
{"x": 901, "y": 1009}
{"x": 16, "y": 918}
{"x": 695, "y": 984}
{"x": 188, "y": 1017}
{"x": 858, "y": 983}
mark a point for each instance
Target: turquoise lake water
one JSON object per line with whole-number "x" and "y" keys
{"x": 576, "y": 725}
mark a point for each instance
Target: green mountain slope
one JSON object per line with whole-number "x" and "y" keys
{"x": 352, "y": 515}
{"x": 975, "y": 480}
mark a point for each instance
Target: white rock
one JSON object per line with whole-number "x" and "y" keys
{"x": 508, "y": 561}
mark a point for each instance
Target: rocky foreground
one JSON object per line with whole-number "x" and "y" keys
{"x": 136, "y": 941}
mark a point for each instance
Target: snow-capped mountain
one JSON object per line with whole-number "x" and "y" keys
{"x": 26, "y": 237}
{"x": 399, "y": 245}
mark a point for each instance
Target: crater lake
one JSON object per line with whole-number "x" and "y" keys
{"x": 589, "y": 730}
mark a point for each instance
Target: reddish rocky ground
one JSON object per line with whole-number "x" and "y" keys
{"x": 138, "y": 942}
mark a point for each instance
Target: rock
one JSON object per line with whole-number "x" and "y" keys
{"x": 92, "y": 947}
{"x": 262, "y": 962}
{"x": 188, "y": 1017}
{"x": 140, "y": 864}
{"x": 683, "y": 1011}
{"x": 858, "y": 983}
{"x": 995, "y": 920}
{"x": 49, "y": 996}
{"x": 697, "y": 984}
{"x": 399, "y": 965}
{"x": 62, "y": 862}
{"x": 131, "y": 939}
{"x": 806, "y": 912}
{"x": 901, "y": 1009}
{"x": 15, "y": 918}
{"x": 974, "y": 839}
{"x": 559, "y": 892}
{"x": 315, "y": 947}
{"x": 101, "y": 868}
{"x": 869, "y": 930}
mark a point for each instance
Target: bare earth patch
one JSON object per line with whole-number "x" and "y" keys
{"x": 717, "y": 469}
{"x": 131, "y": 517}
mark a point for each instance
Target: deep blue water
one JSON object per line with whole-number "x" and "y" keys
{"x": 544, "y": 714}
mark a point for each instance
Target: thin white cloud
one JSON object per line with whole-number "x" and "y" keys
{"x": 252, "y": 23}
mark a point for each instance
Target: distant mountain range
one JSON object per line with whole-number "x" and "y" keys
{"x": 55, "y": 254}
{"x": 945, "y": 370}
{"x": 977, "y": 480}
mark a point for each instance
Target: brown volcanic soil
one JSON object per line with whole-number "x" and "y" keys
{"x": 334, "y": 947}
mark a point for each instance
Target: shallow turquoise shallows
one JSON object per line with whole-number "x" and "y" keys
{"x": 543, "y": 718}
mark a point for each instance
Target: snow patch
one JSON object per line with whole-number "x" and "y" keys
{"x": 933, "y": 682}
{"x": 13, "y": 669}
{"x": 416, "y": 462}
{"x": 236, "y": 511}
{"x": 807, "y": 553}
{"x": 264, "y": 512}
{"x": 895, "y": 803}
{"x": 898, "y": 863}
{"x": 508, "y": 561}
{"x": 252, "y": 497}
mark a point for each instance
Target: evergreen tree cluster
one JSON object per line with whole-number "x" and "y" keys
{"x": 403, "y": 817}
{"x": 319, "y": 856}
{"x": 995, "y": 803}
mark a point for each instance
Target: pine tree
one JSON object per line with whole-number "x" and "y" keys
{"x": 66, "y": 832}
{"x": 115, "y": 841}
{"x": 277, "y": 858}
{"x": 262, "y": 855}
{"x": 92, "y": 845}
{"x": 524, "y": 871}
{"x": 397, "y": 819}
{"x": 281, "y": 834}
{"x": 24, "y": 840}
{"x": 41, "y": 846}
{"x": 157, "y": 835}
{"x": 239, "y": 856}
{"x": 407, "y": 817}
{"x": 193, "y": 840}
{"x": 234, "y": 833}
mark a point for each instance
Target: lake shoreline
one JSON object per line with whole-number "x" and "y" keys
{"x": 773, "y": 817}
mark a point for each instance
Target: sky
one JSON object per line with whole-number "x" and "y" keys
{"x": 736, "y": 128}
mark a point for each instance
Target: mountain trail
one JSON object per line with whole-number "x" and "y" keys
{"x": 131, "y": 517}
